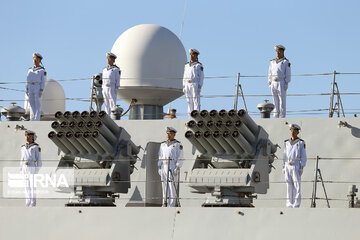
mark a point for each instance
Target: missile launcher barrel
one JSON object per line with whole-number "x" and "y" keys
{"x": 245, "y": 118}
{"x": 227, "y": 136}
{"x": 63, "y": 125}
{"x": 209, "y": 149}
{"x": 217, "y": 135}
{"x": 223, "y": 114}
{"x": 84, "y": 142}
{"x": 202, "y": 126}
{"x": 245, "y": 131}
{"x": 106, "y": 132}
{"x": 205, "y": 115}
{"x": 102, "y": 142}
{"x": 195, "y": 114}
{"x": 76, "y": 143}
{"x": 76, "y": 116}
{"x": 220, "y": 126}
{"x": 214, "y": 115}
{"x": 192, "y": 125}
{"x": 85, "y": 115}
{"x": 88, "y": 136}
{"x": 52, "y": 135}
{"x": 240, "y": 139}
{"x": 109, "y": 123}
{"x": 233, "y": 115}
{"x": 211, "y": 125}
{"x": 191, "y": 137}
{"x": 55, "y": 126}
{"x": 61, "y": 136}
{"x": 214, "y": 143}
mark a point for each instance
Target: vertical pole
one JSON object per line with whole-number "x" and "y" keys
{"x": 178, "y": 190}
{"x": 237, "y": 92}
{"x": 92, "y": 94}
{"x": 340, "y": 102}
{"x": 242, "y": 94}
{"x": 323, "y": 185}
{"x": 313, "y": 199}
{"x": 331, "y": 108}
{"x": 167, "y": 183}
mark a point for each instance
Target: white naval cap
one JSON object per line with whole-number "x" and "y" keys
{"x": 110, "y": 54}
{"x": 294, "y": 126}
{"x": 279, "y": 46}
{"x": 30, "y": 132}
{"x": 37, "y": 55}
{"x": 171, "y": 129}
{"x": 193, "y": 50}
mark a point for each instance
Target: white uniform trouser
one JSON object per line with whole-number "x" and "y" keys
{"x": 279, "y": 97}
{"x": 171, "y": 191}
{"x": 35, "y": 105}
{"x": 192, "y": 94}
{"x": 293, "y": 183}
{"x": 109, "y": 94}
{"x": 30, "y": 191}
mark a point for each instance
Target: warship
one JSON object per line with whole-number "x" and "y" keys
{"x": 230, "y": 187}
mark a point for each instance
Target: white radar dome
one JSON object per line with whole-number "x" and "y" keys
{"x": 151, "y": 59}
{"x": 52, "y": 100}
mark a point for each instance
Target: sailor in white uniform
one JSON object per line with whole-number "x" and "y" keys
{"x": 170, "y": 162}
{"x": 193, "y": 81}
{"x": 294, "y": 161}
{"x": 29, "y": 164}
{"x": 279, "y": 77}
{"x": 111, "y": 82}
{"x": 35, "y": 86}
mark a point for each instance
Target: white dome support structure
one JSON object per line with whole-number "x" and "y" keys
{"x": 151, "y": 59}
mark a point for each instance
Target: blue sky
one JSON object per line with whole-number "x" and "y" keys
{"x": 232, "y": 36}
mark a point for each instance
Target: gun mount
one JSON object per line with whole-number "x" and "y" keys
{"x": 235, "y": 158}
{"x": 100, "y": 152}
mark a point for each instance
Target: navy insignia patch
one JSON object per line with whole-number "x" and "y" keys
{"x": 181, "y": 147}
{"x": 289, "y": 64}
{"x": 202, "y": 68}
{"x": 304, "y": 146}
{"x": 45, "y": 73}
{"x": 39, "y": 149}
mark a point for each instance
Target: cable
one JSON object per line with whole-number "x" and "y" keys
{"x": 208, "y": 77}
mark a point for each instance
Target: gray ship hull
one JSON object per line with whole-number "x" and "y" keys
{"x": 336, "y": 145}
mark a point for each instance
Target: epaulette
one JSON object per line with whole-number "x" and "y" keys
{"x": 176, "y": 141}
{"x": 187, "y": 63}
{"x": 301, "y": 140}
{"x": 273, "y": 59}
{"x": 286, "y": 140}
{"x": 116, "y": 66}
{"x": 23, "y": 145}
{"x": 164, "y": 142}
{"x": 200, "y": 63}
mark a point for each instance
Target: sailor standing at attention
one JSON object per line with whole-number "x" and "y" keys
{"x": 35, "y": 86}
{"x": 193, "y": 81}
{"x": 29, "y": 164}
{"x": 169, "y": 164}
{"x": 111, "y": 82}
{"x": 294, "y": 161}
{"x": 279, "y": 77}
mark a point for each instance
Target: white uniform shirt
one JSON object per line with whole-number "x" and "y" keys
{"x": 30, "y": 153}
{"x": 294, "y": 152}
{"x": 172, "y": 150}
{"x": 35, "y": 78}
{"x": 193, "y": 72}
{"x": 279, "y": 70}
{"x": 111, "y": 76}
